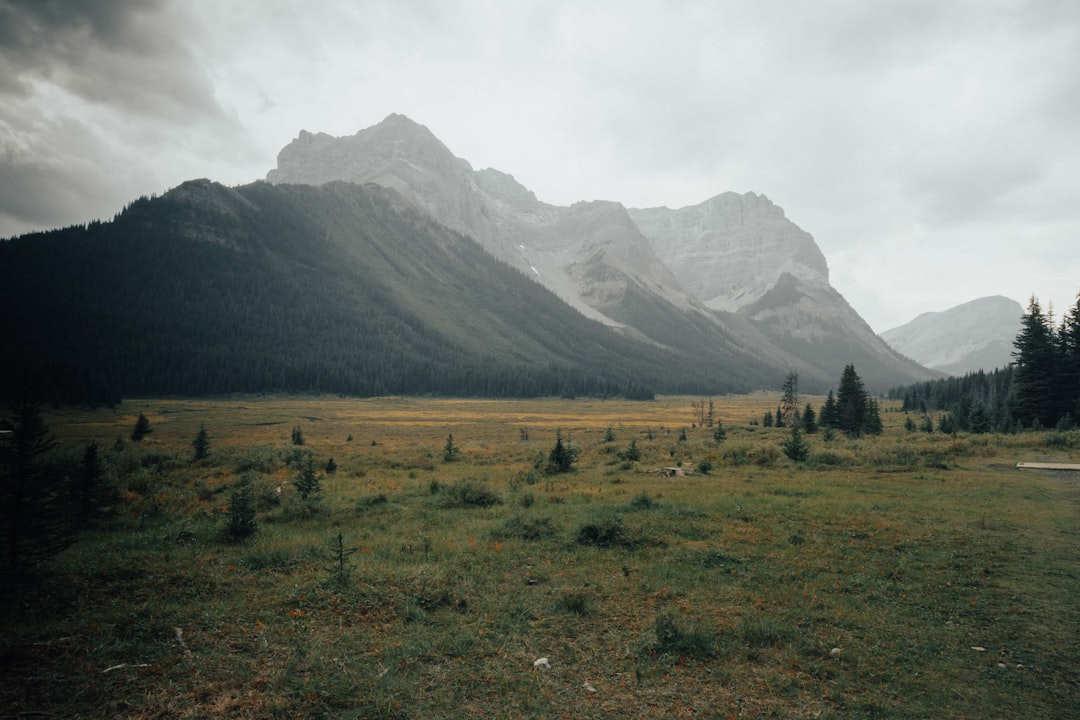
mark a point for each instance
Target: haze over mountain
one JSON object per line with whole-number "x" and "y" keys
{"x": 380, "y": 263}
{"x": 977, "y": 335}
{"x": 732, "y": 270}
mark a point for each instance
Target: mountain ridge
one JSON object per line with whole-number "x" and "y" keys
{"x": 655, "y": 274}
{"x": 976, "y": 335}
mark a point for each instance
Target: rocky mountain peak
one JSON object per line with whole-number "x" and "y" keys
{"x": 732, "y": 249}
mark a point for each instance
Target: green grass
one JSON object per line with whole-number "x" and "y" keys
{"x": 853, "y": 585}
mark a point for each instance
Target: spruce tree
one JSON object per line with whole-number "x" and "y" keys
{"x": 851, "y": 403}
{"x": 1069, "y": 352}
{"x": 562, "y": 457}
{"x": 795, "y": 447}
{"x": 201, "y": 443}
{"x": 142, "y": 429}
{"x": 450, "y": 450}
{"x": 828, "y": 417}
{"x": 35, "y": 511}
{"x": 1035, "y": 355}
{"x": 809, "y": 419}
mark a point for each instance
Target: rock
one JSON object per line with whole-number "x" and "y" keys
{"x": 541, "y": 663}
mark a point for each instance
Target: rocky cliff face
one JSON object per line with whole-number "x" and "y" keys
{"x": 732, "y": 249}
{"x": 730, "y": 278}
{"x": 974, "y": 336}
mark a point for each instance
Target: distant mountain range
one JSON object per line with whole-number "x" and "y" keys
{"x": 380, "y": 263}
{"x": 731, "y": 273}
{"x": 977, "y": 335}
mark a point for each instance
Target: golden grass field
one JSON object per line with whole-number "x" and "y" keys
{"x": 904, "y": 576}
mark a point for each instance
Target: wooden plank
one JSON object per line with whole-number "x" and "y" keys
{"x": 1047, "y": 466}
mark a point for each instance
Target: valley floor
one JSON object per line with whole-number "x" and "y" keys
{"x": 905, "y": 576}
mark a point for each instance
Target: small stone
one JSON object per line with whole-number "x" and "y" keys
{"x": 541, "y": 663}
{"x": 835, "y": 652}
{"x": 588, "y": 687}
{"x": 978, "y": 648}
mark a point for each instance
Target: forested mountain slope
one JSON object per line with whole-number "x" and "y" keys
{"x": 338, "y": 288}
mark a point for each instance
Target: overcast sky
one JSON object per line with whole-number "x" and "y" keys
{"x": 931, "y": 148}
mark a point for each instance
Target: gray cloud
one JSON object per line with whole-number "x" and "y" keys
{"x": 909, "y": 137}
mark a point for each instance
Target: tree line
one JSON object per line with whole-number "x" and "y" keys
{"x": 1040, "y": 389}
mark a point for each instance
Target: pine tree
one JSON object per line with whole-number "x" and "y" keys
{"x": 450, "y": 451}
{"x": 872, "y": 424}
{"x": 331, "y": 467}
{"x": 767, "y": 420}
{"x": 34, "y": 508}
{"x": 1069, "y": 351}
{"x": 242, "y": 523}
{"x": 201, "y": 444}
{"x": 562, "y": 457}
{"x": 142, "y": 429}
{"x": 1036, "y": 367}
{"x": 795, "y": 447}
{"x": 297, "y": 436}
{"x": 308, "y": 482}
{"x": 809, "y": 419}
{"x": 851, "y": 403}
{"x": 828, "y": 417}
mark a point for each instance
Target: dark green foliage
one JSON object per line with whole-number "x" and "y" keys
{"x": 89, "y": 487}
{"x": 909, "y": 425}
{"x": 795, "y": 447}
{"x": 331, "y": 467}
{"x": 704, "y": 467}
{"x": 36, "y": 512}
{"x": 308, "y": 482}
{"x": 340, "y": 288}
{"x": 609, "y": 434}
{"x": 201, "y": 443}
{"x": 1041, "y": 386}
{"x": 851, "y": 400}
{"x": 642, "y": 501}
{"x": 767, "y": 420}
{"x": 450, "y": 451}
{"x": 829, "y": 417}
{"x": 142, "y": 429}
{"x": 242, "y": 523}
{"x": 297, "y": 435}
{"x": 632, "y": 453}
{"x": 562, "y": 457}
{"x": 339, "y": 571}
{"x": 468, "y": 493}
{"x": 809, "y": 419}
{"x": 608, "y": 532}
{"x": 719, "y": 433}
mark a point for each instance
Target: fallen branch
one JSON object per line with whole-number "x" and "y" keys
{"x": 124, "y": 665}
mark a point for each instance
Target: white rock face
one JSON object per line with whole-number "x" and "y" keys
{"x": 977, "y": 335}
{"x": 732, "y": 249}
{"x": 560, "y": 247}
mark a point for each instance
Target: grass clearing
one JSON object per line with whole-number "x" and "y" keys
{"x": 904, "y": 576}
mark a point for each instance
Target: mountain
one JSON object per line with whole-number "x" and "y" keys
{"x": 977, "y": 335}
{"x": 727, "y": 279}
{"x": 337, "y": 288}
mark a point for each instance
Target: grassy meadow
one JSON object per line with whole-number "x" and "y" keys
{"x": 904, "y": 576}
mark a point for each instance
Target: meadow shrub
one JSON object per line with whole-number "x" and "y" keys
{"x": 608, "y": 531}
{"x": 528, "y": 527}
{"x": 576, "y": 602}
{"x": 469, "y": 493}
{"x": 641, "y": 502}
{"x": 831, "y": 458}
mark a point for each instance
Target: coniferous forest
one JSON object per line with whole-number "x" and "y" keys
{"x": 1041, "y": 389}
{"x": 340, "y": 289}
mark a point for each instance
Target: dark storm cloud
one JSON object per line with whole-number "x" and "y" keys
{"x": 82, "y": 83}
